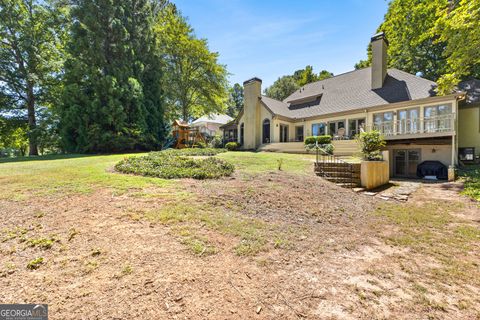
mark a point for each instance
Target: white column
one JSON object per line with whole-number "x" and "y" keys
{"x": 454, "y": 149}
{"x": 422, "y": 119}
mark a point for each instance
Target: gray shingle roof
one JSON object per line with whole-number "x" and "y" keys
{"x": 351, "y": 91}
{"x": 215, "y": 118}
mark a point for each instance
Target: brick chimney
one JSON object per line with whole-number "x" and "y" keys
{"x": 379, "y": 60}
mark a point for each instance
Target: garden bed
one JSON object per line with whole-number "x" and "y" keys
{"x": 175, "y": 164}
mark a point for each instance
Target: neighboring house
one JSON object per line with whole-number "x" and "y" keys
{"x": 231, "y": 131}
{"x": 209, "y": 125}
{"x": 417, "y": 124}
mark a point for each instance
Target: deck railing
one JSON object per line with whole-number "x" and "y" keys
{"x": 443, "y": 123}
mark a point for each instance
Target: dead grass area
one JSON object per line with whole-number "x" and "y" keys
{"x": 272, "y": 245}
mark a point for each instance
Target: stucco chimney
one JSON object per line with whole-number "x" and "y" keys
{"x": 252, "y": 91}
{"x": 379, "y": 59}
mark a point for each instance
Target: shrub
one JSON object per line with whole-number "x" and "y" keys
{"x": 371, "y": 143}
{"x": 216, "y": 142}
{"x": 328, "y": 148}
{"x": 169, "y": 165}
{"x": 201, "y": 144}
{"x": 232, "y": 146}
{"x": 326, "y": 139}
{"x": 191, "y": 152}
{"x": 325, "y": 148}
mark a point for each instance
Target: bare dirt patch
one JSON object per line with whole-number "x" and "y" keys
{"x": 270, "y": 246}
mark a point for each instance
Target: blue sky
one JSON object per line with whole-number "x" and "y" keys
{"x": 269, "y": 39}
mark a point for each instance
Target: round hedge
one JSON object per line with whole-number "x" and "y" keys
{"x": 169, "y": 165}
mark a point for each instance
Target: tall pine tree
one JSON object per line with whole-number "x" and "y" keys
{"x": 112, "y": 98}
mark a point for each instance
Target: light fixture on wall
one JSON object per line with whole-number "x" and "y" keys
{"x": 277, "y": 125}
{"x": 434, "y": 150}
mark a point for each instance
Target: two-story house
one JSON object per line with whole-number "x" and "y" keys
{"x": 418, "y": 125}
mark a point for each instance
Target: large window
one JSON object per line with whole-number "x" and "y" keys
{"x": 438, "y": 118}
{"x": 334, "y": 126}
{"x": 384, "y": 122}
{"x": 355, "y": 126}
{"x": 408, "y": 121}
{"x": 319, "y": 129}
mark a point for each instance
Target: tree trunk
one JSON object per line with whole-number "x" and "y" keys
{"x": 32, "y": 122}
{"x": 185, "y": 114}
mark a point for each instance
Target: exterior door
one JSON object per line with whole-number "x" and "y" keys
{"x": 405, "y": 163}
{"x": 266, "y": 131}
{"x": 242, "y": 130}
{"x": 299, "y": 133}
{"x": 283, "y": 133}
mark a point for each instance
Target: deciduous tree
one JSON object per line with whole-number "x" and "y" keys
{"x": 196, "y": 83}
{"x": 31, "y": 58}
{"x": 282, "y": 88}
{"x": 286, "y": 85}
{"x": 235, "y": 100}
{"x": 459, "y": 28}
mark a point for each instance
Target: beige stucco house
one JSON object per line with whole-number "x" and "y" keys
{"x": 418, "y": 125}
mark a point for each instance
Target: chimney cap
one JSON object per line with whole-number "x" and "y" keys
{"x": 378, "y": 36}
{"x": 252, "y": 80}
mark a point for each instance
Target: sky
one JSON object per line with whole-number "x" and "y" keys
{"x": 269, "y": 39}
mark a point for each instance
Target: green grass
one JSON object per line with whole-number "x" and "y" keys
{"x": 259, "y": 162}
{"x": 63, "y": 175}
{"x": 471, "y": 177}
{"x": 67, "y": 175}
{"x": 35, "y": 263}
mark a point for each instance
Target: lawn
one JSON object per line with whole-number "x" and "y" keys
{"x": 271, "y": 241}
{"x": 471, "y": 176}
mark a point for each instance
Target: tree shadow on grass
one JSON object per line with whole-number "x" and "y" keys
{"x": 46, "y": 157}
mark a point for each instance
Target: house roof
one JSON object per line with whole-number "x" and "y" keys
{"x": 350, "y": 91}
{"x": 472, "y": 89}
{"x": 215, "y": 118}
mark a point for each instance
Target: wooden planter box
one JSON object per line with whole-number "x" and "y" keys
{"x": 374, "y": 174}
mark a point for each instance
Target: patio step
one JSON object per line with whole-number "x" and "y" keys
{"x": 344, "y": 174}
{"x": 284, "y": 147}
{"x": 338, "y": 166}
{"x": 340, "y": 173}
{"x": 344, "y": 182}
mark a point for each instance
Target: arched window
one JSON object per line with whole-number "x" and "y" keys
{"x": 242, "y": 129}
{"x": 266, "y": 131}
